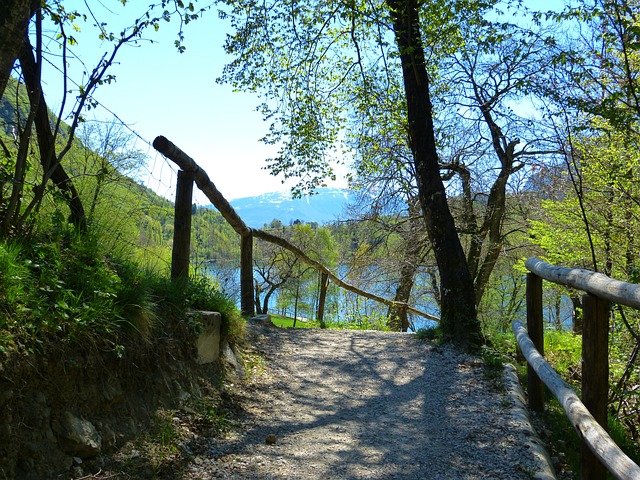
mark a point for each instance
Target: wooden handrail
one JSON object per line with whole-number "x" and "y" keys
{"x": 204, "y": 183}
{"x": 596, "y": 437}
{"x": 268, "y": 237}
{"x": 595, "y": 283}
{"x": 188, "y": 164}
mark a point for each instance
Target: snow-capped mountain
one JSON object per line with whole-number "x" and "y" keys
{"x": 323, "y": 207}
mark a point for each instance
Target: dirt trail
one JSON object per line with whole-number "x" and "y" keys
{"x": 336, "y": 404}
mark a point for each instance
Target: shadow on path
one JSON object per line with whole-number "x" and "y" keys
{"x": 362, "y": 404}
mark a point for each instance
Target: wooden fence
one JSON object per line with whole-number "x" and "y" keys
{"x": 599, "y": 452}
{"x": 190, "y": 172}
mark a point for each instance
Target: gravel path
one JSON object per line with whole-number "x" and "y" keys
{"x": 344, "y": 404}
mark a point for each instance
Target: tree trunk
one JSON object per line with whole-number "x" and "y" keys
{"x": 576, "y": 300}
{"x": 414, "y": 246}
{"x": 398, "y": 317}
{"x": 458, "y": 309}
{"x": 265, "y": 302}
{"x": 295, "y": 305}
{"x": 14, "y": 27}
{"x": 46, "y": 140}
{"x": 256, "y": 302}
{"x": 324, "y": 284}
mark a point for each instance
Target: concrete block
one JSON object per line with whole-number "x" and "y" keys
{"x": 208, "y": 342}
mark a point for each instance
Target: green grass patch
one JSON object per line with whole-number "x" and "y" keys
{"x": 287, "y": 322}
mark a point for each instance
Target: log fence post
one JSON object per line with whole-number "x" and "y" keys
{"x": 246, "y": 275}
{"x": 182, "y": 227}
{"x": 595, "y": 376}
{"x": 324, "y": 283}
{"x": 535, "y": 327}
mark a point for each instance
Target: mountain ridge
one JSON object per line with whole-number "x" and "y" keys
{"x": 325, "y": 206}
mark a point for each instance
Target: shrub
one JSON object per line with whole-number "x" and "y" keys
{"x": 204, "y": 294}
{"x": 433, "y": 332}
{"x": 65, "y": 286}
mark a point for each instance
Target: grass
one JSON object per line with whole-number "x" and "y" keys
{"x": 70, "y": 288}
{"x": 364, "y": 323}
{"x": 287, "y": 322}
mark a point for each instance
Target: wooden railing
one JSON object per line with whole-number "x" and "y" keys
{"x": 599, "y": 452}
{"x": 189, "y": 173}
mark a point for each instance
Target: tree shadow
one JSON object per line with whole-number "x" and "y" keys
{"x": 349, "y": 406}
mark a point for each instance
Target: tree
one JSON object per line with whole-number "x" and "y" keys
{"x": 281, "y": 269}
{"x": 275, "y": 267}
{"x": 592, "y": 96}
{"x": 328, "y": 68}
{"x": 55, "y": 138}
{"x": 485, "y": 143}
{"x": 107, "y": 158}
{"x": 14, "y": 24}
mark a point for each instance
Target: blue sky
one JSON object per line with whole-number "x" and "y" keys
{"x": 159, "y": 91}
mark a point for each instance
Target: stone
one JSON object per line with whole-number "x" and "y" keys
{"x": 112, "y": 390}
{"x": 76, "y": 436}
{"x": 231, "y": 359}
{"x": 271, "y": 439}
{"x": 208, "y": 342}
{"x": 263, "y": 319}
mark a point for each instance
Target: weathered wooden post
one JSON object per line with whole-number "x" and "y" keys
{"x": 182, "y": 227}
{"x": 246, "y": 274}
{"x": 324, "y": 283}
{"x": 595, "y": 375}
{"x": 535, "y": 327}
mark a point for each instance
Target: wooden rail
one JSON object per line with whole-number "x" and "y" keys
{"x": 180, "y": 257}
{"x": 599, "y": 452}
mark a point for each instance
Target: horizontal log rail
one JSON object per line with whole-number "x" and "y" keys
{"x": 595, "y": 283}
{"x": 204, "y": 183}
{"x": 596, "y": 437}
{"x": 268, "y": 237}
{"x": 599, "y": 453}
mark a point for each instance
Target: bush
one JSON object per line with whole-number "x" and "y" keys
{"x": 433, "y": 332}
{"x": 204, "y": 294}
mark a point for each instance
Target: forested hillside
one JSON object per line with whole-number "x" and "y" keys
{"x": 105, "y": 273}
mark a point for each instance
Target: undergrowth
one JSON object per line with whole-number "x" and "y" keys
{"x": 61, "y": 286}
{"x": 563, "y": 351}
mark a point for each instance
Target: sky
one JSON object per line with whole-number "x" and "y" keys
{"x": 159, "y": 91}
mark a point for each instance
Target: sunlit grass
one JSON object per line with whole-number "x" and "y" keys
{"x": 287, "y": 322}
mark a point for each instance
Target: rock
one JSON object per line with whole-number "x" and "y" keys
{"x": 271, "y": 439}
{"x": 230, "y": 359}
{"x": 112, "y": 390}
{"x": 6, "y": 394}
{"x": 109, "y": 438}
{"x": 263, "y": 319}
{"x": 76, "y": 436}
{"x": 36, "y": 453}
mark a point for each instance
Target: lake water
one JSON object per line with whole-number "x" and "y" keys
{"x": 341, "y": 306}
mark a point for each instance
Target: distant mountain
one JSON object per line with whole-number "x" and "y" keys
{"x": 323, "y": 207}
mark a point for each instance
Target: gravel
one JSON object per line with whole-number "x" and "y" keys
{"x": 347, "y": 404}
